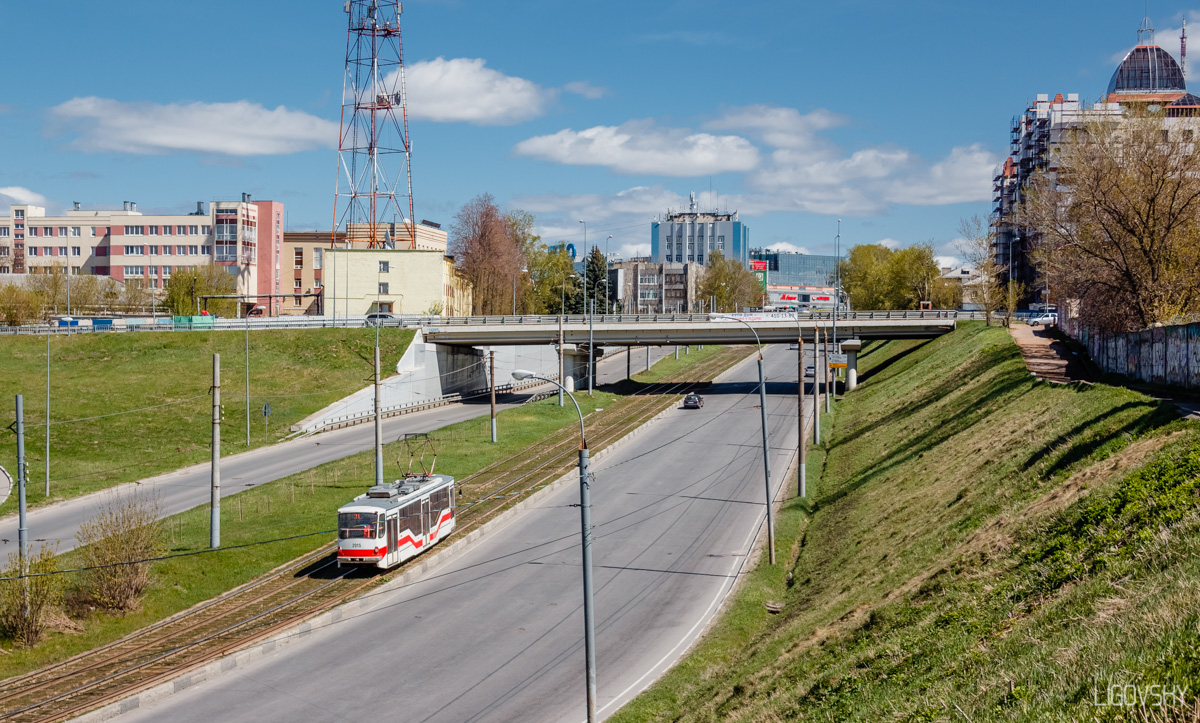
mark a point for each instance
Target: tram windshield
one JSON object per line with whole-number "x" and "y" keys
{"x": 353, "y": 525}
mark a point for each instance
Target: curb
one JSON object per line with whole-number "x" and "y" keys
{"x": 282, "y": 639}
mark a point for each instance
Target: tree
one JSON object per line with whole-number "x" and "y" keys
{"x": 25, "y": 605}
{"x": 186, "y": 286}
{"x": 519, "y": 226}
{"x": 550, "y": 270}
{"x": 19, "y": 305}
{"x": 734, "y": 286}
{"x": 975, "y": 244}
{"x": 915, "y": 272}
{"x": 124, "y": 531}
{"x": 866, "y": 277}
{"x": 595, "y": 273}
{"x": 487, "y": 253}
{"x": 1117, "y": 227}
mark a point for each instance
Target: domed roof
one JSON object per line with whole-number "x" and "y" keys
{"x": 1147, "y": 69}
{"x": 1186, "y": 106}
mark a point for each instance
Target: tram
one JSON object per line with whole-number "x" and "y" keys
{"x": 393, "y": 522}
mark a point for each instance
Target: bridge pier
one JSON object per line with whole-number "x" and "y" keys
{"x": 851, "y": 347}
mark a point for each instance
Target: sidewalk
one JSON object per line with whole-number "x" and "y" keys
{"x": 1047, "y": 357}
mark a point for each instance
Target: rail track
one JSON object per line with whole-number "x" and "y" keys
{"x": 313, "y": 583}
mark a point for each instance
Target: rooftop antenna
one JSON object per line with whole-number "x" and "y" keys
{"x": 1146, "y": 30}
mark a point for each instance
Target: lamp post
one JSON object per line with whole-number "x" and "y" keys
{"x": 762, "y": 406}
{"x": 585, "y": 523}
{"x": 562, "y": 308}
{"x": 584, "y": 237}
{"x": 607, "y": 294}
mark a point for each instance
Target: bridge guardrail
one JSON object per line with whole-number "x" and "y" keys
{"x": 418, "y": 321}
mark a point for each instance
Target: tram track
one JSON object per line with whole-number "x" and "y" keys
{"x": 312, "y": 584}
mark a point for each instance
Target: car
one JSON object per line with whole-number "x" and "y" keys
{"x": 794, "y": 346}
{"x": 378, "y": 319}
{"x": 257, "y": 311}
{"x": 810, "y": 371}
{"x": 1045, "y": 319}
{"x": 693, "y": 401}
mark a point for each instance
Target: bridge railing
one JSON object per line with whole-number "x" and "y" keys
{"x": 418, "y": 321}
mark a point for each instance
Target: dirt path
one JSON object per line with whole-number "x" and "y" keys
{"x": 1047, "y": 357}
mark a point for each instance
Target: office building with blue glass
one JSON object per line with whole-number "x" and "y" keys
{"x": 692, "y": 236}
{"x": 796, "y": 269}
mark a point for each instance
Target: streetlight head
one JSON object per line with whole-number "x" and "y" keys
{"x": 521, "y": 375}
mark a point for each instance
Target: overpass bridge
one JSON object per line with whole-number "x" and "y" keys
{"x": 685, "y": 329}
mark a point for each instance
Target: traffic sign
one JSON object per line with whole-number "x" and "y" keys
{"x": 267, "y": 409}
{"x": 837, "y": 360}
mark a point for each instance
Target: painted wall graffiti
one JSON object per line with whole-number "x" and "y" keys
{"x": 1161, "y": 355}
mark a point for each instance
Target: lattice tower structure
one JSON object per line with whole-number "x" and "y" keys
{"x": 373, "y": 194}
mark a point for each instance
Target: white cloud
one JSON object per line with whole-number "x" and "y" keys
{"x": 586, "y": 89}
{"x": 779, "y": 127}
{"x": 465, "y": 89}
{"x": 965, "y": 175}
{"x": 783, "y": 246}
{"x": 640, "y": 147}
{"x": 947, "y": 262}
{"x": 236, "y": 129}
{"x": 889, "y": 243}
{"x": 20, "y": 196}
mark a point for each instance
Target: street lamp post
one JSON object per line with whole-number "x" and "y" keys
{"x": 607, "y": 293}
{"x": 585, "y": 524}
{"x": 762, "y": 406}
{"x": 585, "y": 251}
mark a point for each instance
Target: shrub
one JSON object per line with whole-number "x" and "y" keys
{"x": 26, "y": 604}
{"x": 123, "y": 531}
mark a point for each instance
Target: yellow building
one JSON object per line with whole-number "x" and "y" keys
{"x": 367, "y": 281}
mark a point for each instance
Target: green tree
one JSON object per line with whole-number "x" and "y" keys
{"x": 519, "y": 226}
{"x": 595, "y": 273}
{"x": 868, "y": 279}
{"x": 19, "y": 305}
{"x": 549, "y": 273}
{"x": 914, "y": 273}
{"x": 186, "y": 286}
{"x": 732, "y": 285}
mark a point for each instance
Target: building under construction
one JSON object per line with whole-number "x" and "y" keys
{"x": 1148, "y": 79}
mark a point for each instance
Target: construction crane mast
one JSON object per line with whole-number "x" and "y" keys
{"x": 373, "y": 194}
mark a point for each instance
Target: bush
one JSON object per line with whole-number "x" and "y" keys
{"x": 123, "y": 531}
{"x": 26, "y": 604}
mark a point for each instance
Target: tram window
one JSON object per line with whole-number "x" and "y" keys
{"x": 358, "y": 525}
{"x": 410, "y": 517}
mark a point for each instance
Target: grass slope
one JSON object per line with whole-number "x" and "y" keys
{"x": 979, "y": 546}
{"x": 297, "y": 371}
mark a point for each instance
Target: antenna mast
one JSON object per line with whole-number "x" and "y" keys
{"x": 374, "y": 179}
{"x": 1183, "y": 49}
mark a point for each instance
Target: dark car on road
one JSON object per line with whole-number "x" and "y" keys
{"x": 693, "y": 401}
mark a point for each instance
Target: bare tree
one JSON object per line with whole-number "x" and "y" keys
{"x": 1118, "y": 225}
{"x": 975, "y": 244}
{"x": 26, "y": 603}
{"x": 115, "y": 545}
{"x": 487, "y": 254}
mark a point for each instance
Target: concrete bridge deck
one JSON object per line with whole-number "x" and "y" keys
{"x": 641, "y": 330}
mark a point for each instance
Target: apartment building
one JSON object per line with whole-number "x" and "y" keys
{"x": 129, "y": 246}
{"x": 658, "y": 288}
{"x": 693, "y": 235}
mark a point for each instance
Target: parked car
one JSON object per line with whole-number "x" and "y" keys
{"x": 257, "y": 311}
{"x": 378, "y": 319}
{"x": 693, "y": 401}
{"x": 1045, "y": 319}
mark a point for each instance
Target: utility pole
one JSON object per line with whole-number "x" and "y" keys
{"x": 378, "y": 417}
{"x": 591, "y": 347}
{"x": 817, "y": 381}
{"x": 628, "y": 363}
{"x": 247, "y": 381}
{"x": 647, "y": 358}
{"x": 492, "y": 354}
{"x": 800, "y": 391}
{"x": 561, "y": 379}
{"x": 47, "y": 465}
{"x": 589, "y": 626}
{"x": 214, "y": 535}
{"x": 22, "y": 527}
{"x": 828, "y": 377}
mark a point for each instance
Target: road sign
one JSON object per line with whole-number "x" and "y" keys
{"x": 837, "y": 361}
{"x": 267, "y": 409}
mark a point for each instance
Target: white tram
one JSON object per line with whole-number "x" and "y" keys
{"x": 393, "y": 522}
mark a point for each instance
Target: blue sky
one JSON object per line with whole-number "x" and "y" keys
{"x": 890, "y": 116}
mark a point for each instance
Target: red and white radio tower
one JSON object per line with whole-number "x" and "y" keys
{"x": 374, "y": 180}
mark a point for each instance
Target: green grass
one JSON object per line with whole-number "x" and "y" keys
{"x": 297, "y": 371}
{"x": 300, "y": 504}
{"x": 979, "y": 546}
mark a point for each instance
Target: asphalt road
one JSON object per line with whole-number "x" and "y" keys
{"x": 496, "y": 633}
{"x": 190, "y": 487}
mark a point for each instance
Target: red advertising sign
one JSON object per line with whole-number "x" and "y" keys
{"x": 758, "y": 265}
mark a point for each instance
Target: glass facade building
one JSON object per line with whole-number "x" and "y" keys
{"x": 795, "y": 269}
